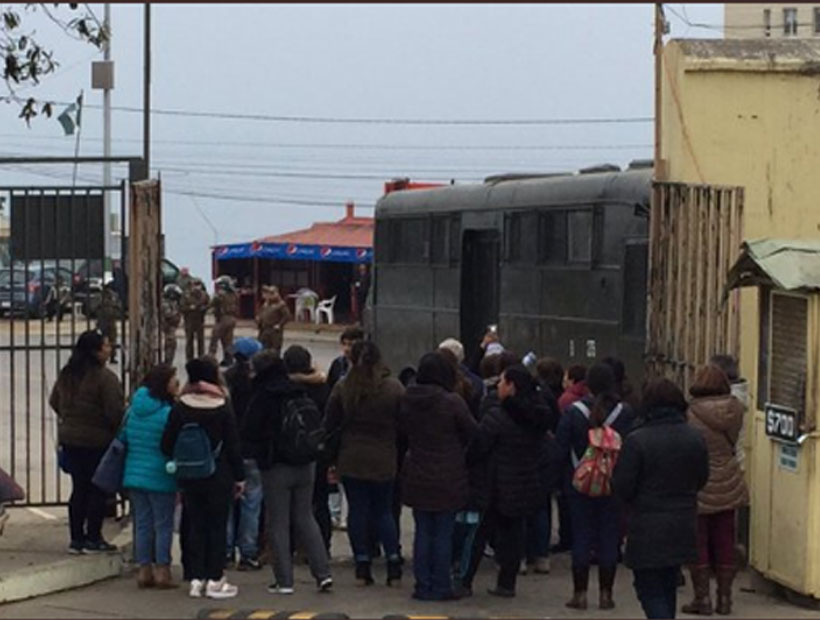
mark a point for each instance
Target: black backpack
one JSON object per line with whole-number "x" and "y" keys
{"x": 301, "y": 437}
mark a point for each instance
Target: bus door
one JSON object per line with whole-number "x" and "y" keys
{"x": 480, "y": 284}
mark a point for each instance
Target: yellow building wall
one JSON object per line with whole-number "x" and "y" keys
{"x": 759, "y": 129}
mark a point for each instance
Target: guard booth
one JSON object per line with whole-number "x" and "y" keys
{"x": 785, "y": 461}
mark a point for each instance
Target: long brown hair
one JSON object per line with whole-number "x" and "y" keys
{"x": 365, "y": 376}
{"x": 601, "y": 383}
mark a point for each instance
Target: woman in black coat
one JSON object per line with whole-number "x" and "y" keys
{"x": 662, "y": 465}
{"x": 439, "y": 427}
{"x": 511, "y": 434}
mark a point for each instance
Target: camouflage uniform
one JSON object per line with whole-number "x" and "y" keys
{"x": 271, "y": 320}
{"x": 171, "y": 319}
{"x": 109, "y": 312}
{"x": 225, "y": 305}
{"x": 195, "y": 301}
{"x": 185, "y": 281}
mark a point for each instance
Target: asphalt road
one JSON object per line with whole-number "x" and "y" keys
{"x": 539, "y": 596}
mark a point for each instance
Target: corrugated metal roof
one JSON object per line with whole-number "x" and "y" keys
{"x": 788, "y": 264}
{"x": 354, "y": 232}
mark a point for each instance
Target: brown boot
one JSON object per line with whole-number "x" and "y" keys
{"x": 606, "y": 580}
{"x": 580, "y": 583}
{"x": 163, "y": 578}
{"x": 701, "y": 605}
{"x": 725, "y": 577}
{"x": 145, "y": 578}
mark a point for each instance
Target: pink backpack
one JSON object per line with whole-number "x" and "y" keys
{"x": 593, "y": 471}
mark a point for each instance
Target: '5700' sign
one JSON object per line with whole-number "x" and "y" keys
{"x": 781, "y": 423}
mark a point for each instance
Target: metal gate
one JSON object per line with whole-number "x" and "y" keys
{"x": 694, "y": 239}
{"x": 50, "y": 292}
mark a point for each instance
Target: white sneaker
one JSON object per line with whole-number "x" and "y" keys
{"x": 197, "y": 587}
{"x": 220, "y": 589}
{"x": 523, "y": 569}
{"x": 277, "y": 589}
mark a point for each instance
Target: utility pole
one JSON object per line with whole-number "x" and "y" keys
{"x": 146, "y": 119}
{"x": 660, "y": 28}
{"x": 109, "y": 246}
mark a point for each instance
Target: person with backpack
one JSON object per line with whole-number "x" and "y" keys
{"x": 439, "y": 427}
{"x": 244, "y": 513}
{"x": 299, "y": 364}
{"x": 151, "y": 489}
{"x": 590, "y": 434}
{"x": 203, "y": 443}
{"x": 511, "y": 437}
{"x": 662, "y": 465}
{"x": 363, "y": 412}
{"x": 283, "y": 426}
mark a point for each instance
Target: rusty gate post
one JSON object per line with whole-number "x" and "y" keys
{"x": 144, "y": 256}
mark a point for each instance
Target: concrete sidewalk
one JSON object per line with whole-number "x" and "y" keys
{"x": 34, "y": 558}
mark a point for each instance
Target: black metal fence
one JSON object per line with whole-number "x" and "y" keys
{"x": 51, "y": 289}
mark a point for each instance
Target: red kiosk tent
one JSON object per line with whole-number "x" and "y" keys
{"x": 324, "y": 258}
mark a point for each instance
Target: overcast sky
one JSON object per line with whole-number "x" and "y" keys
{"x": 461, "y": 62}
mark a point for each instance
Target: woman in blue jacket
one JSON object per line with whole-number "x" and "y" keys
{"x": 151, "y": 489}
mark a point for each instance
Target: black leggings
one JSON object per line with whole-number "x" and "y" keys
{"x": 86, "y": 507}
{"x": 206, "y": 521}
{"x": 508, "y": 535}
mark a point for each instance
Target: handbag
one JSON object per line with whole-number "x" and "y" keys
{"x": 109, "y": 472}
{"x": 10, "y": 491}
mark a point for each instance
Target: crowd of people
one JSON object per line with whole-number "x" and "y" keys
{"x": 478, "y": 447}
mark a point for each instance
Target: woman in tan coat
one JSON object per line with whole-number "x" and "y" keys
{"x": 718, "y": 416}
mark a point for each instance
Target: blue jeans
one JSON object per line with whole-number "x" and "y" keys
{"x": 464, "y": 533}
{"x": 153, "y": 526}
{"x": 539, "y": 528}
{"x": 370, "y": 509}
{"x": 246, "y": 536}
{"x": 595, "y": 523}
{"x": 657, "y": 590}
{"x": 432, "y": 552}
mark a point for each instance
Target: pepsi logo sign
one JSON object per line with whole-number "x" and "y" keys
{"x": 361, "y": 253}
{"x": 292, "y": 249}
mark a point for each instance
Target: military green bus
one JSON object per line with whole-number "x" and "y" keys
{"x": 557, "y": 262}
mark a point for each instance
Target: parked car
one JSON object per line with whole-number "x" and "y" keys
{"x": 26, "y": 292}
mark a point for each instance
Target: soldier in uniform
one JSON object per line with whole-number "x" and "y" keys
{"x": 225, "y": 305}
{"x": 195, "y": 303}
{"x": 271, "y": 318}
{"x": 109, "y": 312}
{"x": 185, "y": 279}
{"x": 171, "y": 319}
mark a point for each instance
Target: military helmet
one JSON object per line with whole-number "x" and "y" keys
{"x": 172, "y": 291}
{"x": 224, "y": 282}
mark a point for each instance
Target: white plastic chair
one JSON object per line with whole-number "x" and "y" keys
{"x": 306, "y": 302}
{"x": 325, "y": 307}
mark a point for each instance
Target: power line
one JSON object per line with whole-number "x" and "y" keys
{"x": 376, "y": 121}
{"x": 362, "y": 146}
{"x": 266, "y": 199}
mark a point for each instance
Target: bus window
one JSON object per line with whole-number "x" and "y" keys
{"x": 579, "y": 237}
{"x": 552, "y": 240}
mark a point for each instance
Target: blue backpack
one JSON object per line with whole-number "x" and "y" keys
{"x": 193, "y": 457}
